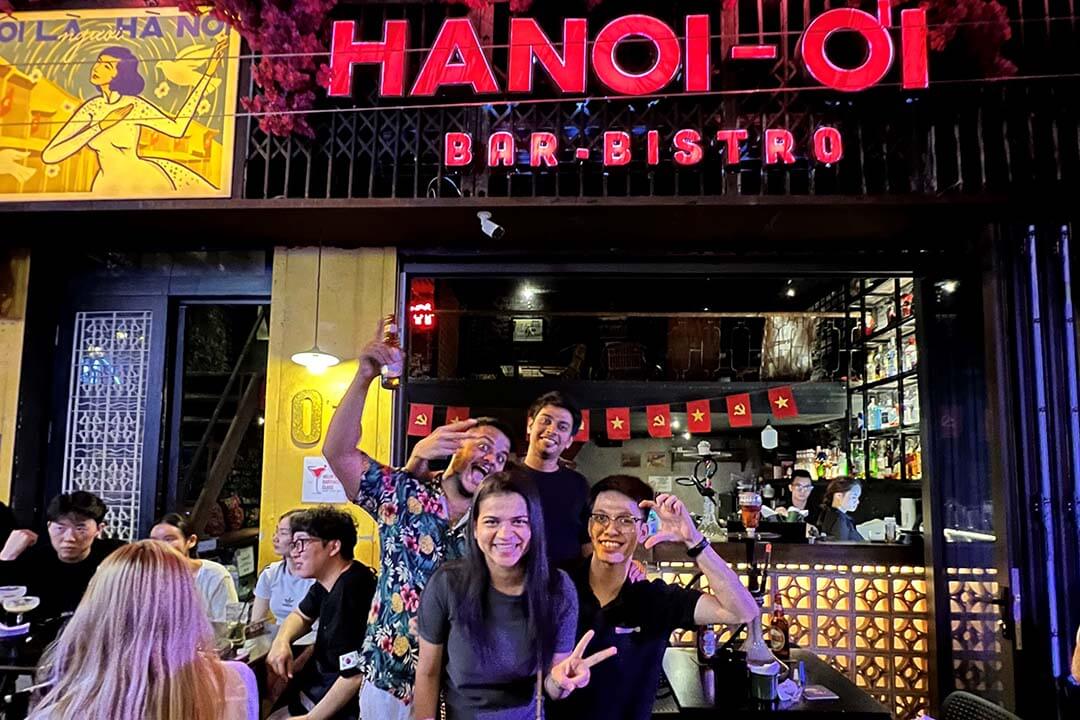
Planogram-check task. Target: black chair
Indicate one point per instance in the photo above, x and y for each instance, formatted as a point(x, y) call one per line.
point(962, 705)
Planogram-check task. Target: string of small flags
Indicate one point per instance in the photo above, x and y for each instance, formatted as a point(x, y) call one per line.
point(616, 420)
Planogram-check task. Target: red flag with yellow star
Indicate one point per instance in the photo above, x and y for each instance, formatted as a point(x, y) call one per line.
point(782, 403)
point(583, 431)
point(738, 410)
point(618, 423)
point(456, 414)
point(659, 420)
point(698, 416)
point(420, 419)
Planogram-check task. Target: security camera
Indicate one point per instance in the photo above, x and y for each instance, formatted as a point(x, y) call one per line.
point(491, 229)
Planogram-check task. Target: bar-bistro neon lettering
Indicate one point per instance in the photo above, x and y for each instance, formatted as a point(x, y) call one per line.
point(456, 57)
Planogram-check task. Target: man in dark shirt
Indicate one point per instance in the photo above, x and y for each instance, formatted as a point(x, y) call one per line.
point(329, 685)
point(59, 571)
point(564, 493)
point(638, 618)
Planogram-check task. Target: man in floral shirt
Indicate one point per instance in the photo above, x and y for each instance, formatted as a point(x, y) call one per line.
point(421, 523)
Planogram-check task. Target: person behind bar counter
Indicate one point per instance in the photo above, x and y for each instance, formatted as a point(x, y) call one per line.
point(637, 618)
point(841, 497)
point(139, 647)
point(501, 619)
point(58, 571)
point(801, 486)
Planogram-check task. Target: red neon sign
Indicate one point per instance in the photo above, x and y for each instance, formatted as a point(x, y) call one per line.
point(422, 315)
point(687, 148)
point(456, 58)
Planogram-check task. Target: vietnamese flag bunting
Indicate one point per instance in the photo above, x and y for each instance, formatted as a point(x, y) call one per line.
point(738, 410)
point(698, 416)
point(782, 402)
point(618, 423)
point(456, 414)
point(420, 419)
point(583, 431)
point(659, 420)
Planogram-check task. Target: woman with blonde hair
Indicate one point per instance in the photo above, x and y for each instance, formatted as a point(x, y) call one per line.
point(139, 646)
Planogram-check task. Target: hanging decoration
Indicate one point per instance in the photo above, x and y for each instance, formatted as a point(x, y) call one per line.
point(659, 420)
point(657, 417)
point(618, 423)
point(583, 431)
point(420, 419)
point(738, 410)
point(782, 403)
point(698, 416)
point(456, 414)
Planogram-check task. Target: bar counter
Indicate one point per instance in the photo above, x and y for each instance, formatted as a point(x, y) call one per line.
point(860, 607)
point(698, 696)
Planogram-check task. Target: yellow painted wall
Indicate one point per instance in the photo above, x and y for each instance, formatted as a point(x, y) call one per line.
point(12, 325)
point(358, 288)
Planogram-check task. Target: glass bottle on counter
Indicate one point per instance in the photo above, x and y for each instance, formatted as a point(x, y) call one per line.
point(779, 630)
point(391, 375)
point(706, 644)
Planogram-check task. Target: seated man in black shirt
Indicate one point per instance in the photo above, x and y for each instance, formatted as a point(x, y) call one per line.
point(638, 618)
point(323, 539)
point(564, 493)
point(59, 571)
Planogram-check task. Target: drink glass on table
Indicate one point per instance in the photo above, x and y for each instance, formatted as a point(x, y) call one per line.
point(750, 508)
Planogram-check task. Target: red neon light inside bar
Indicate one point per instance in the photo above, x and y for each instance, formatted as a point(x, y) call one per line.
point(457, 58)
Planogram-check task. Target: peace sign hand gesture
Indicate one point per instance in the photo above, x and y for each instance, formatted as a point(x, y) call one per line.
point(573, 673)
point(676, 525)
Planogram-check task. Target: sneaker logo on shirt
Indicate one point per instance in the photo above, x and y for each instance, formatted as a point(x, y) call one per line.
point(348, 660)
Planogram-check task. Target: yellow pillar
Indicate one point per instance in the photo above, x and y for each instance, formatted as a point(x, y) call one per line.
point(14, 279)
point(358, 287)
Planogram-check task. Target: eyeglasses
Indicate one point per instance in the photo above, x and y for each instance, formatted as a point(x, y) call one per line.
point(802, 487)
point(623, 523)
point(300, 544)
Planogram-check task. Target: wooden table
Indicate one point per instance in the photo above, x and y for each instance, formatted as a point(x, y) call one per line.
point(690, 684)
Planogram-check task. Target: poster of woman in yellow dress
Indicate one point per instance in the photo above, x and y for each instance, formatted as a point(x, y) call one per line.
point(117, 104)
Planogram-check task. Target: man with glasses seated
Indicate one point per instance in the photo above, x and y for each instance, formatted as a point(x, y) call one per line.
point(638, 618)
point(322, 545)
point(59, 571)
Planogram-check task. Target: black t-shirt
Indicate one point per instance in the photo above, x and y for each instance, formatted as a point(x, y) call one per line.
point(60, 585)
point(838, 525)
point(639, 622)
point(564, 499)
point(342, 614)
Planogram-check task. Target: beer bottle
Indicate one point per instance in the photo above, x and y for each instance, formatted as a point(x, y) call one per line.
point(779, 631)
point(391, 376)
point(706, 644)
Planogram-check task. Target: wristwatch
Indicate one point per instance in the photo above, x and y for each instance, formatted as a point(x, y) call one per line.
point(699, 548)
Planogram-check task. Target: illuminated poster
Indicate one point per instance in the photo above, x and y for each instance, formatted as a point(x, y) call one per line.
point(116, 104)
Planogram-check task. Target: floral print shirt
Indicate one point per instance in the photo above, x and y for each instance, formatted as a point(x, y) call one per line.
point(414, 538)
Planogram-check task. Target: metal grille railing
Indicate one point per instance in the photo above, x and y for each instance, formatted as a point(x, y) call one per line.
point(959, 136)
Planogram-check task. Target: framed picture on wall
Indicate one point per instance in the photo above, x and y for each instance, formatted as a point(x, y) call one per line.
point(660, 460)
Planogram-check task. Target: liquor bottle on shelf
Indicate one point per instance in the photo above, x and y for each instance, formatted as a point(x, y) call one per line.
point(779, 630)
point(391, 375)
point(911, 354)
point(890, 361)
point(907, 304)
point(871, 366)
point(858, 467)
point(873, 417)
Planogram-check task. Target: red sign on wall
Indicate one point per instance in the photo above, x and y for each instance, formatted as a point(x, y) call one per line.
point(456, 57)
